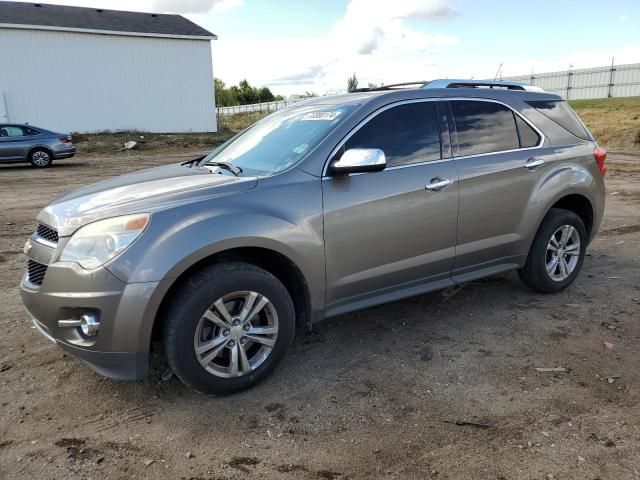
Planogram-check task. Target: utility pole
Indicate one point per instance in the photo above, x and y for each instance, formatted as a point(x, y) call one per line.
point(610, 89)
point(532, 76)
point(569, 81)
point(498, 71)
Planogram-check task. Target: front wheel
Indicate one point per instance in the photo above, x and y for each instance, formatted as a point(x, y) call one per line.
point(228, 327)
point(557, 252)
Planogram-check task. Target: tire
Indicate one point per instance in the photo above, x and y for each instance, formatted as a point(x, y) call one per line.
point(41, 158)
point(193, 322)
point(544, 270)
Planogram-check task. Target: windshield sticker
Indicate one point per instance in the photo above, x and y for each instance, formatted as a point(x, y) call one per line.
point(321, 115)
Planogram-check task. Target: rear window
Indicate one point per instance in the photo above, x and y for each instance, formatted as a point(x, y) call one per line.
point(561, 113)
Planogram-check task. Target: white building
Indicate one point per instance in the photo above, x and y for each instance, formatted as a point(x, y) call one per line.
point(78, 69)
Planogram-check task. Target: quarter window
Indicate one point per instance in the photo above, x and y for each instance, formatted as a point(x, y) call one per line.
point(528, 136)
point(484, 127)
point(406, 134)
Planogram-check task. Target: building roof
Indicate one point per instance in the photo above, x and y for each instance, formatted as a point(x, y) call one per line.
point(60, 17)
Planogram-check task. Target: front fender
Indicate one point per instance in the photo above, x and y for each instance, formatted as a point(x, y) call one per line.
point(179, 237)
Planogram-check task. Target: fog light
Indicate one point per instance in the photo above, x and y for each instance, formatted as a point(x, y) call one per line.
point(89, 324)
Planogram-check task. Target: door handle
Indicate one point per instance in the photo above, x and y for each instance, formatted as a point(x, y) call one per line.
point(438, 184)
point(533, 162)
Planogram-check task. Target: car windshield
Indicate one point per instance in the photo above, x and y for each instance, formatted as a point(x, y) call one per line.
point(280, 140)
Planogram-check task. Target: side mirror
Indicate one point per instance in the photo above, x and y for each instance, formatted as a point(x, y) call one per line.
point(357, 160)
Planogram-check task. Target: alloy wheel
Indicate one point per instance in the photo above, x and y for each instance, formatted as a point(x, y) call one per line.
point(563, 253)
point(236, 334)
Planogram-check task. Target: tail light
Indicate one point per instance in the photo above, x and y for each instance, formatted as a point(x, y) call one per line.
point(600, 154)
point(66, 139)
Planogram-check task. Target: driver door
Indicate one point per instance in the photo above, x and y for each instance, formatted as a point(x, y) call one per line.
point(391, 234)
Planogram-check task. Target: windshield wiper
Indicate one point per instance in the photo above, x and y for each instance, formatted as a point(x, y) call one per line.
point(192, 162)
point(237, 171)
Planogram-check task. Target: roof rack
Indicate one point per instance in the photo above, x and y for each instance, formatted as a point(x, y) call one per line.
point(452, 83)
point(392, 86)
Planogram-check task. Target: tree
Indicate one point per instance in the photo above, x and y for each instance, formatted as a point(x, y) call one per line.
point(265, 95)
point(241, 94)
point(223, 95)
point(352, 83)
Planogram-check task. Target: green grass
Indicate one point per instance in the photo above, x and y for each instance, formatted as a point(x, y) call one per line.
point(614, 122)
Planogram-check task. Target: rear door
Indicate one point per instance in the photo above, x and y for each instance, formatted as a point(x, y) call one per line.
point(500, 158)
point(13, 139)
point(385, 232)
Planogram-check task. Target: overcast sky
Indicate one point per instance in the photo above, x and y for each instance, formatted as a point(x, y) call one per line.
point(298, 45)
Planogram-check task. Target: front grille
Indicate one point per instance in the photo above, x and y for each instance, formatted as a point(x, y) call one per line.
point(48, 233)
point(35, 272)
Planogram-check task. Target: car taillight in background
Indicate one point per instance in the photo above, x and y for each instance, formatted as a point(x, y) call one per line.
point(66, 139)
point(600, 154)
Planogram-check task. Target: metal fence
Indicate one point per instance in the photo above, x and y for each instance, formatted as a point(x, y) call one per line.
point(598, 82)
point(256, 107)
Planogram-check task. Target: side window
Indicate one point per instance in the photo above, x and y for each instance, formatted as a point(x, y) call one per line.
point(406, 134)
point(11, 131)
point(528, 136)
point(484, 127)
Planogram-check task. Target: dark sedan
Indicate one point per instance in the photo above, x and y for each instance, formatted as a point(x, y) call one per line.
point(26, 143)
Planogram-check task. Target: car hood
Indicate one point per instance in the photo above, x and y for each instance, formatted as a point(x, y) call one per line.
point(145, 191)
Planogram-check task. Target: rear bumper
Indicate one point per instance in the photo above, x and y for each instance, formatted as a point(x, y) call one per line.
point(66, 152)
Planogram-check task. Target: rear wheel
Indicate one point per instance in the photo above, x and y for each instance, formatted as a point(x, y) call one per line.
point(557, 252)
point(40, 158)
point(228, 328)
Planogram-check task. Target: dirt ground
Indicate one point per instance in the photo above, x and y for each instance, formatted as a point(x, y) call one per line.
point(374, 394)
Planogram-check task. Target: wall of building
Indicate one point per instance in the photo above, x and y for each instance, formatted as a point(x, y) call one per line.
point(79, 82)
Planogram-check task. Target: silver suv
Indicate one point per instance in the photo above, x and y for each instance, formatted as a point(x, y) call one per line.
point(329, 206)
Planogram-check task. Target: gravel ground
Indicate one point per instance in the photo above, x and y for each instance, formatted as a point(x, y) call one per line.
point(382, 393)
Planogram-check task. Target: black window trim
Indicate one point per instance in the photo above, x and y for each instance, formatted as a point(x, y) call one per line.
point(363, 122)
point(454, 133)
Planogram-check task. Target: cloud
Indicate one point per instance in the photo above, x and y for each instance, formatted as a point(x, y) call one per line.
point(306, 77)
point(195, 6)
point(371, 24)
point(623, 18)
point(381, 41)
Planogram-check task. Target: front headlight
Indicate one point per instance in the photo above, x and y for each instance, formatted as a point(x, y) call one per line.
point(97, 243)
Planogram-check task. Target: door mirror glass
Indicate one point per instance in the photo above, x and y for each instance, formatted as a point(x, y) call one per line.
point(357, 160)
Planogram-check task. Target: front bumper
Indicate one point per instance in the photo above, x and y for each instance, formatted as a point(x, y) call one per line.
point(126, 313)
point(118, 365)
